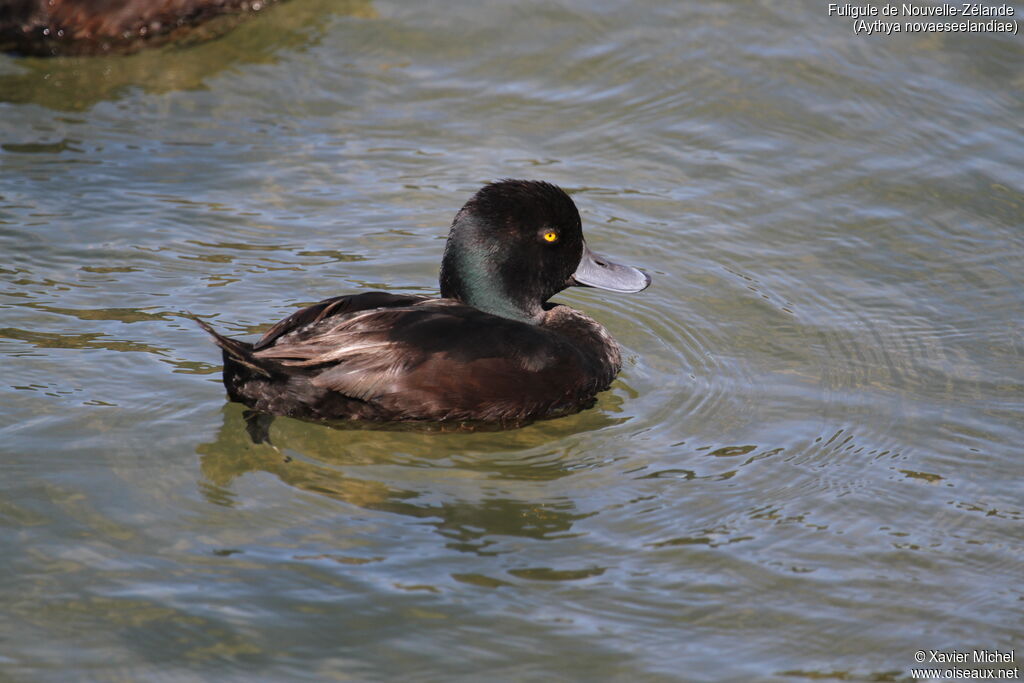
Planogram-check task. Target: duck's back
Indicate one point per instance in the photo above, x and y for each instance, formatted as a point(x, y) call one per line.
point(379, 356)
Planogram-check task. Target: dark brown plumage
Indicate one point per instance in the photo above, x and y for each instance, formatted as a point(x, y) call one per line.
point(84, 27)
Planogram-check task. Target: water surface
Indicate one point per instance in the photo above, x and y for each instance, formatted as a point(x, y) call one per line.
point(809, 468)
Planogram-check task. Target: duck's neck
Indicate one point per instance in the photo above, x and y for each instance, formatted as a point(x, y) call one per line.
point(471, 274)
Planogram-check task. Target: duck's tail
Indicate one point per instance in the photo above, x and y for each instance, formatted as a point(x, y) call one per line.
point(238, 351)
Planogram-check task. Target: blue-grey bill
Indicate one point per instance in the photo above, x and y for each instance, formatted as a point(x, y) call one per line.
point(595, 270)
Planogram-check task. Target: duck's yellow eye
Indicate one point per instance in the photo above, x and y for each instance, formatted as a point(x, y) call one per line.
point(550, 236)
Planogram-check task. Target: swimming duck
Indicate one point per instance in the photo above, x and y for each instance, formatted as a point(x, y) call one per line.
point(492, 349)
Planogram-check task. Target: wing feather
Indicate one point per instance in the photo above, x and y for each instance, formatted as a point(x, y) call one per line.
point(337, 306)
point(433, 358)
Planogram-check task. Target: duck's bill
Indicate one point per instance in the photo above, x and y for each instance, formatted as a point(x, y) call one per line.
point(595, 270)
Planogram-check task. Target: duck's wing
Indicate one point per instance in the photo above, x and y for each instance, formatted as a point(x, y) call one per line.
point(335, 306)
point(436, 359)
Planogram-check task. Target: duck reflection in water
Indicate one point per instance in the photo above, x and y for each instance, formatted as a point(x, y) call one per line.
point(323, 459)
point(491, 351)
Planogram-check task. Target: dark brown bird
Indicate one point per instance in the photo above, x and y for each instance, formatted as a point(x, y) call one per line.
point(84, 27)
point(490, 350)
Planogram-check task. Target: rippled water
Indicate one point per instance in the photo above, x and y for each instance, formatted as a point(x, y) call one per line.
point(809, 469)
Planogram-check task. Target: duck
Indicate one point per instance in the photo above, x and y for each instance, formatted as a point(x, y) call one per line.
point(89, 27)
point(492, 350)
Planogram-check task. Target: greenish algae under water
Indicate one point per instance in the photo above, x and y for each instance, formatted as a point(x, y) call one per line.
point(809, 469)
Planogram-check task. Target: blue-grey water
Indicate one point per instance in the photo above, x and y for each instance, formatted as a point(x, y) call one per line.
point(810, 468)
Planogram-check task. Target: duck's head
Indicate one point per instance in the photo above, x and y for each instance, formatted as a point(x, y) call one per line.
point(516, 244)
